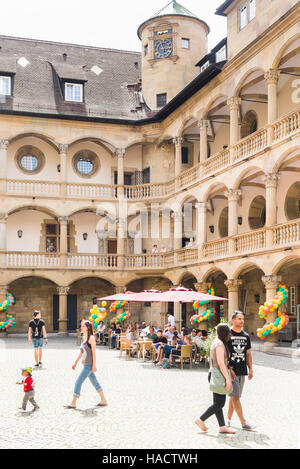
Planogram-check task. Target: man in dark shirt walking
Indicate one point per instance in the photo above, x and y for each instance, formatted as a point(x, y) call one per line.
point(37, 335)
point(240, 362)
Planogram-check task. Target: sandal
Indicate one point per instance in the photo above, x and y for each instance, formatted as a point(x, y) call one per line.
point(69, 407)
point(101, 405)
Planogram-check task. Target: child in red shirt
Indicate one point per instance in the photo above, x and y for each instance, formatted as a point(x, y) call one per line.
point(28, 385)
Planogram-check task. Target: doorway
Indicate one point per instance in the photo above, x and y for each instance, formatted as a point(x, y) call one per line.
point(71, 313)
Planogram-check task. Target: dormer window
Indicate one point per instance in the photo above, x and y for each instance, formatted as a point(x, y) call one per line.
point(5, 86)
point(221, 54)
point(74, 92)
point(204, 66)
point(247, 13)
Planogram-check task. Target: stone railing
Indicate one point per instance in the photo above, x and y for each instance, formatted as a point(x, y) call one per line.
point(250, 242)
point(148, 191)
point(216, 163)
point(286, 126)
point(33, 259)
point(251, 145)
point(287, 233)
point(92, 261)
point(145, 261)
point(32, 188)
point(216, 249)
point(189, 176)
point(91, 191)
point(187, 255)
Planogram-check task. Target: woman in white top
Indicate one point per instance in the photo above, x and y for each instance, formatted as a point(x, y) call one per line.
point(219, 356)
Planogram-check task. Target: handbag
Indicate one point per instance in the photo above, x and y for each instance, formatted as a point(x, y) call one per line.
point(217, 381)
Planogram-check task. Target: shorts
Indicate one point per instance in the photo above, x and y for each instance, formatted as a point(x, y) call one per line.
point(238, 386)
point(38, 342)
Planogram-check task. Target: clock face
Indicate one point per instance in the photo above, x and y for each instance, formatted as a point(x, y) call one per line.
point(163, 48)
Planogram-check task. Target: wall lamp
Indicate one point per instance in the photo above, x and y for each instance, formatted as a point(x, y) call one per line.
point(85, 235)
point(20, 233)
point(212, 228)
point(257, 298)
point(240, 220)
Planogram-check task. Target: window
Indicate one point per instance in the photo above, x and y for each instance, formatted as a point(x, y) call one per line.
point(184, 155)
point(85, 163)
point(185, 43)
point(146, 50)
point(51, 237)
point(5, 86)
point(252, 9)
point(29, 163)
point(204, 66)
point(243, 17)
point(74, 92)
point(292, 300)
point(221, 54)
point(161, 99)
point(85, 166)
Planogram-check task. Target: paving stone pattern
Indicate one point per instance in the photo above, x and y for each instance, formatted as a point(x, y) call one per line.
point(148, 408)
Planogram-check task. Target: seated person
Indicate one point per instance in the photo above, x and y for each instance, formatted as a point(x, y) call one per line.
point(193, 334)
point(130, 325)
point(151, 335)
point(115, 331)
point(185, 337)
point(131, 334)
point(100, 332)
point(198, 339)
point(175, 346)
point(145, 330)
point(204, 335)
point(159, 344)
point(169, 332)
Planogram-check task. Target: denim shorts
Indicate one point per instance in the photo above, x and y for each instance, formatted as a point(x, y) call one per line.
point(38, 342)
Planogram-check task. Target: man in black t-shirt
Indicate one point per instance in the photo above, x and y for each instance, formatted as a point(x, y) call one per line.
point(37, 335)
point(240, 362)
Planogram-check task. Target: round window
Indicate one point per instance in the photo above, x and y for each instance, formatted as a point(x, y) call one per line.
point(85, 163)
point(29, 163)
point(85, 166)
point(30, 159)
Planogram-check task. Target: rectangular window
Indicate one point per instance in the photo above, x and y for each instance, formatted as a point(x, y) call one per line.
point(146, 50)
point(5, 86)
point(184, 155)
point(292, 300)
point(74, 92)
point(243, 17)
point(252, 9)
point(221, 54)
point(204, 66)
point(185, 43)
point(161, 99)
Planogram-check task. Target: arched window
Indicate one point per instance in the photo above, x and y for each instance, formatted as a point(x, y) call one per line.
point(257, 213)
point(249, 124)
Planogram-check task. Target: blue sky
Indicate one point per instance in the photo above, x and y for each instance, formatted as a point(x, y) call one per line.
point(103, 23)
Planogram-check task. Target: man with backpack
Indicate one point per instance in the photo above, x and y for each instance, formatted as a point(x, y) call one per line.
point(37, 335)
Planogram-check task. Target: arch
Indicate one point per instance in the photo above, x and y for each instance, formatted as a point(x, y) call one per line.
point(146, 277)
point(243, 173)
point(185, 120)
point(84, 276)
point(281, 159)
point(90, 209)
point(37, 208)
point(46, 138)
point(185, 274)
point(21, 275)
point(211, 271)
point(206, 197)
point(286, 259)
point(246, 266)
point(286, 45)
point(211, 102)
point(138, 141)
point(98, 141)
point(244, 79)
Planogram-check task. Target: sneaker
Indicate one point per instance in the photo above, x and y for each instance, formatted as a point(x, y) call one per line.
point(40, 364)
point(36, 408)
point(36, 365)
point(248, 426)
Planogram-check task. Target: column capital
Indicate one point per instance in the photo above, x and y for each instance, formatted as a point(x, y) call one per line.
point(177, 216)
point(271, 281)
point(201, 206)
point(203, 124)
point(233, 195)
point(63, 220)
point(63, 148)
point(271, 180)
point(120, 152)
point(63, 291)
point(120, 289)
point(3, 289)
point(272, 76)
point(4, 144)
point(234, 103)
point(178, 141)
point(3, 217)
point(202, 287)
point(233, 284)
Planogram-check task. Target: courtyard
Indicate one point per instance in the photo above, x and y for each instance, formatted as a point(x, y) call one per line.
point(148, 407)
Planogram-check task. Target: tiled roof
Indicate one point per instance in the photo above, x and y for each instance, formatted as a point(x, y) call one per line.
point(37, 86)
point(221, 9)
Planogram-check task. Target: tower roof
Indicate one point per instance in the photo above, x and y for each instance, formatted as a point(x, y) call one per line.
point(173, 8)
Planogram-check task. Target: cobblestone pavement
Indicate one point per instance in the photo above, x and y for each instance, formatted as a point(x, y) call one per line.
point(148, 407)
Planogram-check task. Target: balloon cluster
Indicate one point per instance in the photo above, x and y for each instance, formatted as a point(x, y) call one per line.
point(121, 317)
point(205, 315)
point(117, 305)
point(269, 307)
point(9, 321)
point(98, 314)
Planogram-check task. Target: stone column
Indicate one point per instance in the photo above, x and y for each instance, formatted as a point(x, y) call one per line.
point(121, 228)
point(120, 153)
point(234, 107)
point(3, 239)
point(271, 283)
point(202, 287)
point(233, 196)
point(63, 240)
point(203, 127)
point(233, 296)
point(3, 165)
point(3, 292)
point(178, 158)
point(63, 150)
point(120, 289)
point(63, 310)
point(201, 227)
point(272, 77)
point(271, 182)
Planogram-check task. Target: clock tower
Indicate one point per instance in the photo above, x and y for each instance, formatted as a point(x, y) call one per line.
point(173, 41)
